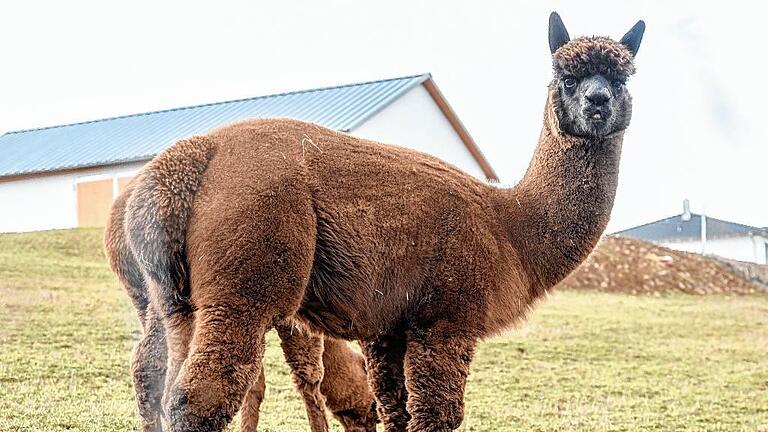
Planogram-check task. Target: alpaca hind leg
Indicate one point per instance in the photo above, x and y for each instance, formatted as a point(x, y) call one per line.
point(148, 369)
point(225, 359)
point(384, 358)
point(249, 412)
point(250, 260)
point(304, 354)
point(178, 334)
point(436, 369)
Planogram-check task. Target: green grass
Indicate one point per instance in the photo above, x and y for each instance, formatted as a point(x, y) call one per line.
point(584, 361)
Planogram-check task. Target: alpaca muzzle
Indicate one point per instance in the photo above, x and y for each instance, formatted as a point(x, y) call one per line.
point(596, 114)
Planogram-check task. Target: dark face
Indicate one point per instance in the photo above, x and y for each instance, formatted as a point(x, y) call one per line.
point(592, 106)
point(590, 76)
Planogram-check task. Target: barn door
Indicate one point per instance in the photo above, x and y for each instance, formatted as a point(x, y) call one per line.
point(122, 183)
point(93, 201)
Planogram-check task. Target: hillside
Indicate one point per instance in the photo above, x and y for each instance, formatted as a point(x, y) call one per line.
point(621, 264)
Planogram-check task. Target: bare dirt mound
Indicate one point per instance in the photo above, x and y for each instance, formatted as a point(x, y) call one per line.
point(621, 264)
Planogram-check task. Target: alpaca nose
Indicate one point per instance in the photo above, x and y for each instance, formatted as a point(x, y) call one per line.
point(598, 96)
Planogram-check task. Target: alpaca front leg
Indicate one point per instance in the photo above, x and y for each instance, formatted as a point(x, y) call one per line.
point(304, 354)
point(249, 412)
point(436, 370)
point(148, 369)
point(384, 359)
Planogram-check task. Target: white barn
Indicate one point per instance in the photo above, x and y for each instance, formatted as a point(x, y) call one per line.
point(691, 232)
point(67, 176)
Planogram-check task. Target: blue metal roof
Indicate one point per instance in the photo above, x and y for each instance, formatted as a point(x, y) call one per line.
point(677, 228)
point(142, 136)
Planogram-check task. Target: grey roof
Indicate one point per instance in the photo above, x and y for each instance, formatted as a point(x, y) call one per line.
point(676, 229)
point(142, 136)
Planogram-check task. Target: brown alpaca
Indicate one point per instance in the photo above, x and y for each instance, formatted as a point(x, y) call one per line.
point(338, 381)
point(272, 221)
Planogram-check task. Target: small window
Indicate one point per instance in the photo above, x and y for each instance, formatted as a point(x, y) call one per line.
point(765, 259)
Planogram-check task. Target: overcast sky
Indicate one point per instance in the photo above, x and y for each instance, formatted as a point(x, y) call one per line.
point(699, 126)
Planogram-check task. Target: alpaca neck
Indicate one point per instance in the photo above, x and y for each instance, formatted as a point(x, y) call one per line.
point(558, 211)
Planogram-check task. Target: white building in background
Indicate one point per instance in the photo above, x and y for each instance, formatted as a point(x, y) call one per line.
point(67, 176)
point(697, 233)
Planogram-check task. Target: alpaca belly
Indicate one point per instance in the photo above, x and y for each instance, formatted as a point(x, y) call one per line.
point(333, 310)
point(327, 319)
point(323, 319)
point(338, 300)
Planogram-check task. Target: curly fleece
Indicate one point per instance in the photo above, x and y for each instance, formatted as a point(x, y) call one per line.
point(594, 55)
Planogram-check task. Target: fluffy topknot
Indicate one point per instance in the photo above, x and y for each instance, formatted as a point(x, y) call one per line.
point(594, 55)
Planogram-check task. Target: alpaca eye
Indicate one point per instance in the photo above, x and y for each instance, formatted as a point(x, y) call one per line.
point(569, 82)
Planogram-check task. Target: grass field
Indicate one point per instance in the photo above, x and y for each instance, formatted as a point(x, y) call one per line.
point(584, 361)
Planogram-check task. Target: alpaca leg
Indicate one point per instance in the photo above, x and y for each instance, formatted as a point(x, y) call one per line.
point(148, 369)
point(304, 354)
point(225, 359)
point(384, 358)
point(178, 334)
point(436, 369)
point(250, 257)
point(249, 412)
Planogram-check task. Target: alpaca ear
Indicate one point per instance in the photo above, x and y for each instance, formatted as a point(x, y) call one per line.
point(558, 35)
point(633, 37)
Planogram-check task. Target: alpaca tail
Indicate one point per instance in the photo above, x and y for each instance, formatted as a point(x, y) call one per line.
point(156, 218)
point(121, 260)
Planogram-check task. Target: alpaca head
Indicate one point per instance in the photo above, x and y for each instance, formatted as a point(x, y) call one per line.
point(359, 420)
point(589, 94)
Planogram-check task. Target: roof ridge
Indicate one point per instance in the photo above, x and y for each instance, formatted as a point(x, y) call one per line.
point(757, 229)
point(650, 223)
point(271, 95)
point(751, 227)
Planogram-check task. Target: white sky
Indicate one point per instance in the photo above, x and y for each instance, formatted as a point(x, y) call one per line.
point(699, 120)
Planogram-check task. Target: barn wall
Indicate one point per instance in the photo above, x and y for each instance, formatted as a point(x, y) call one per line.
point(415, 121)
point(751, 249)
point(43, 202)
